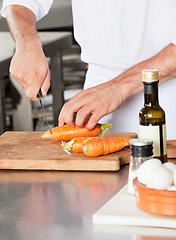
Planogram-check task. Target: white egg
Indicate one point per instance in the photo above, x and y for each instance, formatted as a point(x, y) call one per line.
point(172, 188)
point(161, 178)
point(174, 173)
point(146, 169)
point(171, 166)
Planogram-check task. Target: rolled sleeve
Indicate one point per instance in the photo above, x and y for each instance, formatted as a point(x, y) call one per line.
point(39, 7)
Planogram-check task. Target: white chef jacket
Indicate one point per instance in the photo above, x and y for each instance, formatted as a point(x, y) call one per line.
point(114, 35)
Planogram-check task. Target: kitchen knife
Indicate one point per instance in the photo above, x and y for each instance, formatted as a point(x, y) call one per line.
point(44, 112)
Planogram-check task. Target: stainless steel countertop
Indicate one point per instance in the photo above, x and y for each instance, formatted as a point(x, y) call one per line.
point(52, 205)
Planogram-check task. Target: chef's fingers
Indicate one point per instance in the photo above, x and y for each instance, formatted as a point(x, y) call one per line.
point(80, 100)
point(66, 116)
point(93, 120)
point(33, 86)
point(67, 112)
point(83, 115)
point(46, 84)
point(36, 83)
point(87, 118)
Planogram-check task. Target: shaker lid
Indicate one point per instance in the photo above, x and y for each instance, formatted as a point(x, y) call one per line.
point(141, 148)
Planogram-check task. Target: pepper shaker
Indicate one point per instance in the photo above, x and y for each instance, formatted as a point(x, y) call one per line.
point(140, 151)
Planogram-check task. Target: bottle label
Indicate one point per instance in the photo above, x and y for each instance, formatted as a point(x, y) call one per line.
point(157, 134)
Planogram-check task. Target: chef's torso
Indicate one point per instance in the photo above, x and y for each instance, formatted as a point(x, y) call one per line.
point(114, 35)
point(120, 33)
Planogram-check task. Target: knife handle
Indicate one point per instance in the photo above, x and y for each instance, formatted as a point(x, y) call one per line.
point(39, 94)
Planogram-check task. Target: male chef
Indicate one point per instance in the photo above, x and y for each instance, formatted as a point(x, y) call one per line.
point(118, 39)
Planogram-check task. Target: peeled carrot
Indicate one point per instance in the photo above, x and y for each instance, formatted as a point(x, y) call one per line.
point(75, 145)
point(68, 133)
point(125, 139)
point(94, 147)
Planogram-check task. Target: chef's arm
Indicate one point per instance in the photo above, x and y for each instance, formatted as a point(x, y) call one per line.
point(22, 23)
point(94, 103)
point(29, 66)
point(164, 62)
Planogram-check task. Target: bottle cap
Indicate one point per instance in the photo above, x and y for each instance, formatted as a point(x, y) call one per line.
point(150, 75)
point(141, 148)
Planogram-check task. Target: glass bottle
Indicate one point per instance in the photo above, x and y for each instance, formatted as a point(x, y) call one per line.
point(152, 117)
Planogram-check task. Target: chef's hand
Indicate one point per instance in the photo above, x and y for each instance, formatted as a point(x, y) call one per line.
point(92, 104)
point(29, 67)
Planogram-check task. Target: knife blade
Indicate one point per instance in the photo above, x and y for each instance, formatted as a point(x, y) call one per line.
point(43, 109)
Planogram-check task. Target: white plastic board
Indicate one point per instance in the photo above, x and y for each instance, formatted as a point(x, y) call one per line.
point(122, 210)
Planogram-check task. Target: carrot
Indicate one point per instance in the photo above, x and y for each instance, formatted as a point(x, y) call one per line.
point(68, 133)
point(75, 145)
point(125, 139)
point(94, 147)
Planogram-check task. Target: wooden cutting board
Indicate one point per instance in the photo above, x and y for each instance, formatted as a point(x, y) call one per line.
point(171, 149)
point(28, 151)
